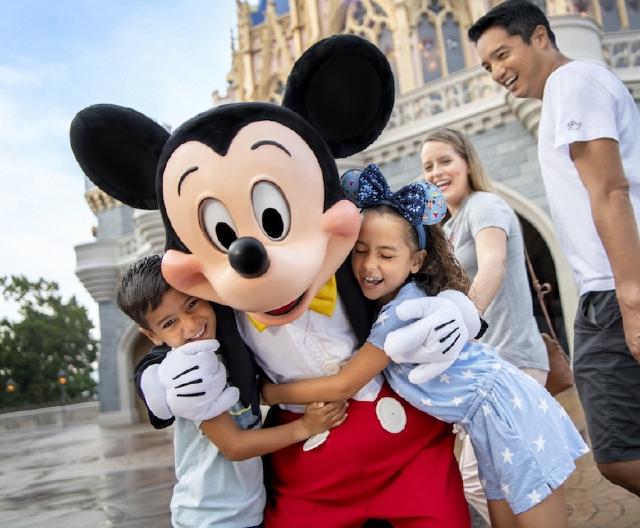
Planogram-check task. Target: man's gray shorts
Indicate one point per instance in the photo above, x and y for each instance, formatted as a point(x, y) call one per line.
point(608, 379)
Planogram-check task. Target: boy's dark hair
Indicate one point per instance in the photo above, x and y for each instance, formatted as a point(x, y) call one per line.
point(517, 17)
point(141, 289)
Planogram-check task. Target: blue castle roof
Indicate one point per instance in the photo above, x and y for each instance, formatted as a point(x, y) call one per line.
point(257, 16)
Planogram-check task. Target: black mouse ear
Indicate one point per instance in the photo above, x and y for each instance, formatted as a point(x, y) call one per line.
point(343, 86)
point(118, 149)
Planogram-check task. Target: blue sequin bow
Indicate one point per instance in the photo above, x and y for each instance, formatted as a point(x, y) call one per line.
point(420, 203)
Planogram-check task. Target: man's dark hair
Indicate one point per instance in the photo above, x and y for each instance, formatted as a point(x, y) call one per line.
point(141, 289)
point(517, 17)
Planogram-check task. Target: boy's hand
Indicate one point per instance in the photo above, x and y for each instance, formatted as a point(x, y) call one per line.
point(195, 381)
point(319, 417)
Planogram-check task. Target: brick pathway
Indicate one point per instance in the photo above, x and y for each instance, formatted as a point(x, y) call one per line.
point(83, 476)
point(594, 502)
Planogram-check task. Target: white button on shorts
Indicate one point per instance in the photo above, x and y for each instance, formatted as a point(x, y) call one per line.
point(391, 415)
point(315, 440)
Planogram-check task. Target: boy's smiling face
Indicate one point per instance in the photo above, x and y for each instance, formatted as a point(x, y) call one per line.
point(180, 318)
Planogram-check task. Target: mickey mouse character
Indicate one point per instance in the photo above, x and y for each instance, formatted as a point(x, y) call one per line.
point(256, 221)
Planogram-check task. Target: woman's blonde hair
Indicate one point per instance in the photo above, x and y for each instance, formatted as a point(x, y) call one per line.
point(478, 179)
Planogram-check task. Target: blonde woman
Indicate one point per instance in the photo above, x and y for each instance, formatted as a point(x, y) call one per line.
point(487, 241)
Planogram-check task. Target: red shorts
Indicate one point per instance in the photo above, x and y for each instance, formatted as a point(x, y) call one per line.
point(363, 471)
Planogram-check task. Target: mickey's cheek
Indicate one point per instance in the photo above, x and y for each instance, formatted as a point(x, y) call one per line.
point(185, 272)
point(343, 219)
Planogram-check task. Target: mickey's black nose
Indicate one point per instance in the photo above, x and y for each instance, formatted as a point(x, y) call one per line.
point(248, 257)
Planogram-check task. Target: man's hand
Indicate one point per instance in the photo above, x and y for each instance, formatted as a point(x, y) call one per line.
point(600, 168)
point(319, 417)
point(195, 380)
point(631, 326)
point(434, 341)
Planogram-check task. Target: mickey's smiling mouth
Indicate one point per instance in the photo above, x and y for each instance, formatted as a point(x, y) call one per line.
point(283, 310)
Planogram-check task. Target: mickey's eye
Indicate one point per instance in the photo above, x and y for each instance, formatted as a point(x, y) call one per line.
point(271, 210)
point(217, 224)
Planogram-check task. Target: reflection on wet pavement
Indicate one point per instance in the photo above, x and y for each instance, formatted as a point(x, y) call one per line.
point(82, 476)
point(85, 476)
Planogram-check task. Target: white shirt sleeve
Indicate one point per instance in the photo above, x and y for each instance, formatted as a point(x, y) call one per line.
point(489, 210)
point(584, 106)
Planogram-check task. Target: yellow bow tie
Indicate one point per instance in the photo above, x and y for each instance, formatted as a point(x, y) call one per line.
point(324, 302)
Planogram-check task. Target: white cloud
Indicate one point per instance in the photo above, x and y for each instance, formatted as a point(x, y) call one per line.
point(10, 76)
point(164, 59)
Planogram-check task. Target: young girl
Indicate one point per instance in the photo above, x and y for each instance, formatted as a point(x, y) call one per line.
point(524, 441)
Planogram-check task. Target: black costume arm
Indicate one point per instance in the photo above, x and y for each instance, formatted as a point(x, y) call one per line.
point(483, 328)
point(156, 355)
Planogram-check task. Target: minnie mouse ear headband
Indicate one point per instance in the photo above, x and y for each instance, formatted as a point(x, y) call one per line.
point(419, 203)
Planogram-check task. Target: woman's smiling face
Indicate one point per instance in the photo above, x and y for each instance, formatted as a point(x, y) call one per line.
point(444, 167)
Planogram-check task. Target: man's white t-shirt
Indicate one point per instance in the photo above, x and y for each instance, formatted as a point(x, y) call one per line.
point(582, 102)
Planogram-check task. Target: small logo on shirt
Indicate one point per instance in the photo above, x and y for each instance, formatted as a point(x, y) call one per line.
point(574, 125)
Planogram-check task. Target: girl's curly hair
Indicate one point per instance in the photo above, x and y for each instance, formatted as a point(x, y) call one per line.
point(440, 270)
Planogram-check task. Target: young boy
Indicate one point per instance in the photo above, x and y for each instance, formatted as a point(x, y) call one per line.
point(218, 465)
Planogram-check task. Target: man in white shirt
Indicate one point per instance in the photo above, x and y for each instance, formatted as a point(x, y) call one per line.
point(589, 153)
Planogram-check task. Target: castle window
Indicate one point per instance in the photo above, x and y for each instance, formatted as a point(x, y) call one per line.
point(439, 39)
point(368, 19)
point(610, 15)
point(633, 13)
point(429, 50)
point(452, 44)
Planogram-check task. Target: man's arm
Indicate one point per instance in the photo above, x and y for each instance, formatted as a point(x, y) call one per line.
point(240, 444)
point(365, 365)
point(600, 168)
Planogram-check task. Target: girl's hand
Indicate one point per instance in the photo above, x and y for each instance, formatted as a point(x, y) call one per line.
point(320, 417)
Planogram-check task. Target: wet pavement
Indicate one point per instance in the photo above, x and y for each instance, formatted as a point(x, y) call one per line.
point(84, 476)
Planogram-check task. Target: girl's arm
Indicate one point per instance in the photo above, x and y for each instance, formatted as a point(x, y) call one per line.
point(365, 365)
point(240, 444)
point(491, 250)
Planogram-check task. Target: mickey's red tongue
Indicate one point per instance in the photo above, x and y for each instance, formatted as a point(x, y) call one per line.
point(286, 308)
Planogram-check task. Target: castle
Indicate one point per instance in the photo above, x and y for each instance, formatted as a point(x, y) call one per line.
point(438, 83)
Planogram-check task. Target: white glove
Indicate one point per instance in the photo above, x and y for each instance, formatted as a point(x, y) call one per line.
point(195, 381)
point(468, 310)
point(434, 341)
point(155, 395)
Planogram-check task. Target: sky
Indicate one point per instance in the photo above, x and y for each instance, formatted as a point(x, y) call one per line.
point(161, 57)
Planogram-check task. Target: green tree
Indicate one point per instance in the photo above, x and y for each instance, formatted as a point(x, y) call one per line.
point(49, 335)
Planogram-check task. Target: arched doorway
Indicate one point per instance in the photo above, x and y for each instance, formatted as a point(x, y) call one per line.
point(131, 349)
point(141, 347)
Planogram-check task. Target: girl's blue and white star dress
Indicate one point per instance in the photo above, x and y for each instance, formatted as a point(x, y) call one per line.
point(524, 441)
